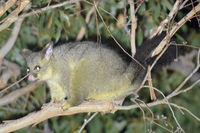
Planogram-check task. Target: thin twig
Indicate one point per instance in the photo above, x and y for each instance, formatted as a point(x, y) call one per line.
point(186, 110)
point(173, 114)
point(11, 70)
point(115, 39)
point(143, 113)
point(183, 91)
point(86, 121)
point(35, 12)
point(102, 9)
point(175, 28)
point(14, 15)
point(152, 115)
point(188, 77)
point(87, 19)
point(183, 4)
point(18, 93)
point(167, 19)
point(154, 122)
point(13, 84)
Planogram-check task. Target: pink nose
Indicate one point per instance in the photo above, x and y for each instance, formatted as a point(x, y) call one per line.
point(31, 78)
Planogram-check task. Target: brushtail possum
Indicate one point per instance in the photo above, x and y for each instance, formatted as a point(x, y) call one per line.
point(82, 71)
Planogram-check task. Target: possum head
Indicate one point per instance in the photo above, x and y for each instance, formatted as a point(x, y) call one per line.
point(39, 63)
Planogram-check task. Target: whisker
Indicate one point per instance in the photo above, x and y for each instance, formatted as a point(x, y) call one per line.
point(5, 89)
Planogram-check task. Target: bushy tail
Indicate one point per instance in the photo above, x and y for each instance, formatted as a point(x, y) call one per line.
point(144, 52)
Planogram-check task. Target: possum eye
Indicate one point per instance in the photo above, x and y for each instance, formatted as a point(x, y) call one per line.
point(37, 68)
point(28, 70)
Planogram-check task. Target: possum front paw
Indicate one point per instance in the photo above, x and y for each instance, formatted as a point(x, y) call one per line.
point(65, 105)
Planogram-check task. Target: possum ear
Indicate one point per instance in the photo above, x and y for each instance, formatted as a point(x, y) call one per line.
point(47, 52)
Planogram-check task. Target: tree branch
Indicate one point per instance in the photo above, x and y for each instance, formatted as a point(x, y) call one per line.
point(5, 6)
point(11, 41)
point(133, 27)
point(87, 19)
point(86, 121)
point(52, 110)
point(17, 93)
point(13, 16)
point(11, 70)
point(175, 28)
point(168, 19)
point(48, 8)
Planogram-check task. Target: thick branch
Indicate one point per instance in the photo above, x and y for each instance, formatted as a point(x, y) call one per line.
point(52, 110)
